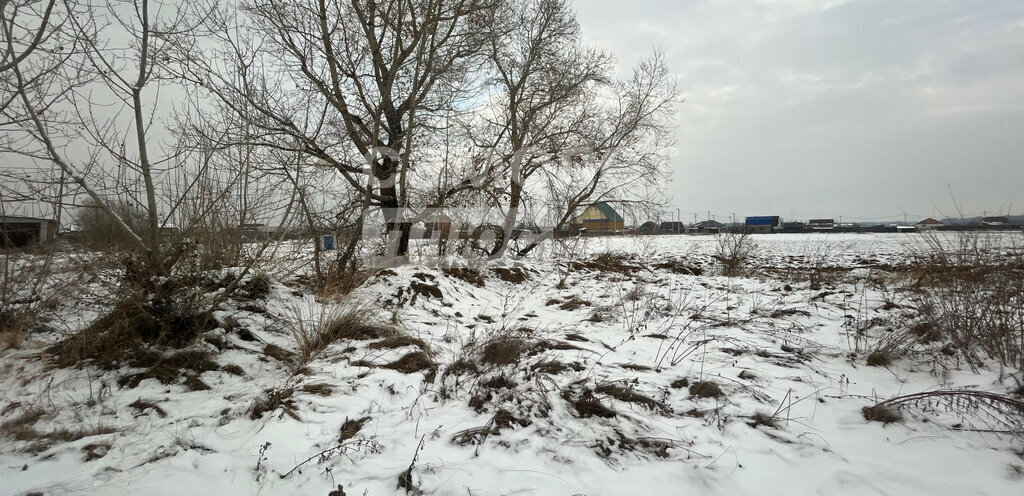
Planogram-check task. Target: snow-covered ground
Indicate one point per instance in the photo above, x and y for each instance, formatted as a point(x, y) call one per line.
point(554, 375)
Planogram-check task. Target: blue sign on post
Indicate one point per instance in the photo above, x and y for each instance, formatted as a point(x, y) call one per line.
point(327, 242)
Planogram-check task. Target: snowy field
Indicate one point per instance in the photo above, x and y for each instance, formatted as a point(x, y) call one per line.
point(556, 375)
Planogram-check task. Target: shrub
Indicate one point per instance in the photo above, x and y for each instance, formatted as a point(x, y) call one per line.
point(734, 251)
point(993, 411)
point(171, 313)
point(970, 291)
point(314, 330)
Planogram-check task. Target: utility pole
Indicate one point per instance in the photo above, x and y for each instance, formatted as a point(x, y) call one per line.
point(678, 220)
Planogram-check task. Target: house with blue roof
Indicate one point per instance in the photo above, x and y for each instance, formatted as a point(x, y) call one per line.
point(763, 224)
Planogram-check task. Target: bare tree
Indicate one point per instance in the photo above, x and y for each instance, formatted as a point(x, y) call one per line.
point(562, 119)
point(92, 104)
point(369, 75)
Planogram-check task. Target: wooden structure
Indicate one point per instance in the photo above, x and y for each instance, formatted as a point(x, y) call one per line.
point(598, 217)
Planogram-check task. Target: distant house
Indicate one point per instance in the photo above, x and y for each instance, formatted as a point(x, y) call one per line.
point(821, 224)
point(599, 217)
point(794, 227)
point(995, 221)
point(17, 232)
point(648, 227)
point(438, 225)
point(672, 227)
point(928, 224)
point(706, 227)
point(762, 224)
point(260, 232)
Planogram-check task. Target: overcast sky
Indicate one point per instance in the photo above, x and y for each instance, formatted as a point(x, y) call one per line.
point(810, 108)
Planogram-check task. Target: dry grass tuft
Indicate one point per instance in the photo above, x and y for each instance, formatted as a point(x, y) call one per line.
point(313, 333)
point(426, 290)
point(608, 447)
point(468, 274)
point(141, 406)
point(15, 325)
point(498, 382)
point(706, 389)
point(319, 389)
point(417, 361)
point(95, 451)
point(504, 350)
point(547, 345)
point(271, 400)
point(609, 262)
point(22, 428)
point(628, 395)
point(350, 428)
point(679, 267)
point(635, 367)
point(513, 275)
point(14, 427)
point(460, 367)
point(574, 303)
point(555, 367)
point(761, 419)
point(194, 383)
point(167, 368)
point(997, 412)
point(881, 413)
point(588, 406)
point(879, 359)
point(399, 342)
point(278, 353)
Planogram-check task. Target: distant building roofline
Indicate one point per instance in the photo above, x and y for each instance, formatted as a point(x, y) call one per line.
point(17, 218)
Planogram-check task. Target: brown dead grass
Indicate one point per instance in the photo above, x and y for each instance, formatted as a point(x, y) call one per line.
point(350, 428)
point(574, 303)
point(271, 400)
point(142, 406)
point(167, 315)
point(586, 405)
point(609, 262)
point(881, 413)
point(319, 389)
point(23, 428)
point(506, 350)
point(168, 368)
point(400, 341)
point(513, 275)
point(335, 324)
point(460, 367)
point(623, 393)
point(556, 367)
point(706, 389)
point(468, 274)
point(416, 361)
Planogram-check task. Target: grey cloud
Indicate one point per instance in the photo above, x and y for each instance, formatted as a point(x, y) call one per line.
point(862, 108)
